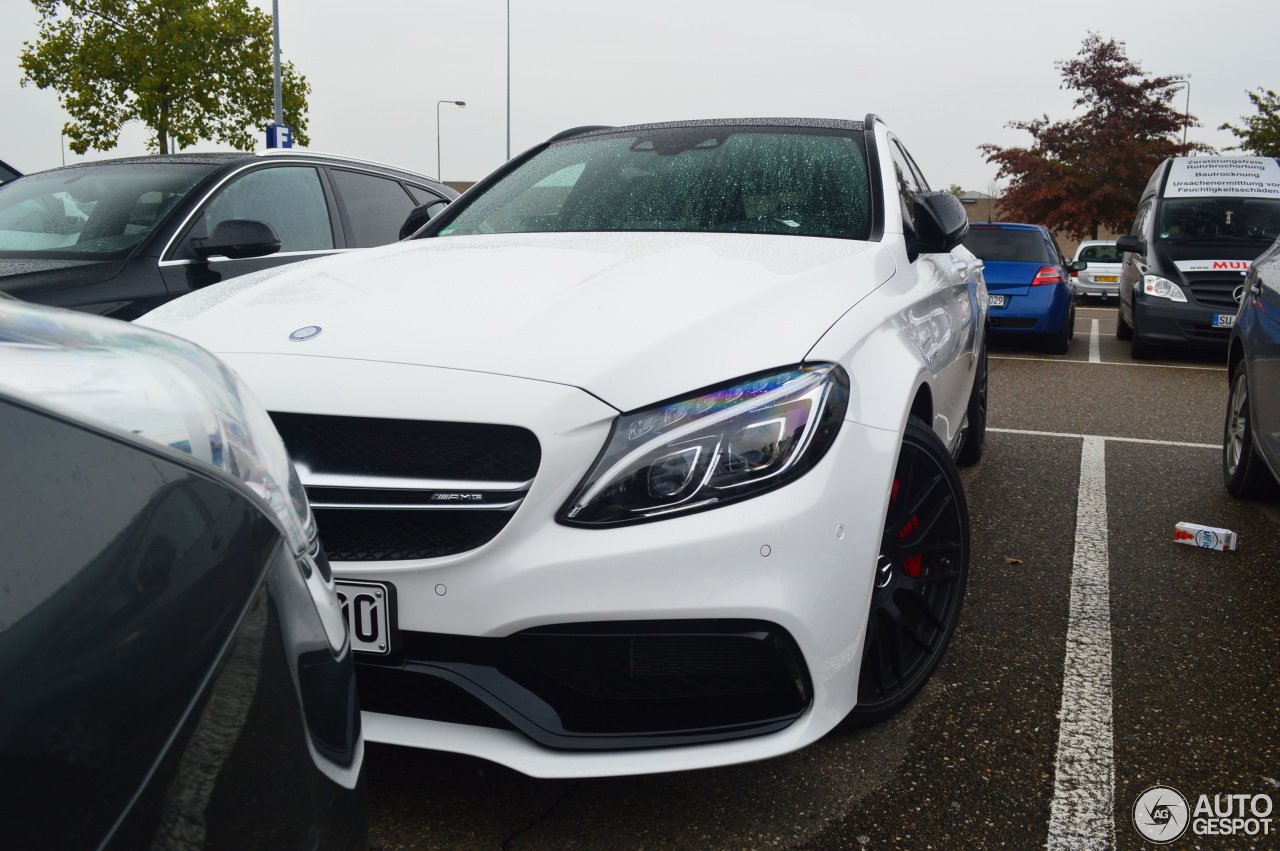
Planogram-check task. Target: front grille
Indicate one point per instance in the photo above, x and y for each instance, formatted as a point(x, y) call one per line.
point(653, 666)
point(396, 490)
point(1217, 293)
point(603, 686)
point(364, 535)
point(410, 448)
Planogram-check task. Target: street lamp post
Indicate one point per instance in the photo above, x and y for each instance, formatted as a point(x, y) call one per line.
point(278, 100)
point(508, 79)
point(458, 103)
point(1186, 113)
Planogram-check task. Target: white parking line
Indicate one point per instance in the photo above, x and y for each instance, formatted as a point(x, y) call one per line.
point(1104, 438)
point(1095, 352)
point(1081, 816)
point(1114, 363)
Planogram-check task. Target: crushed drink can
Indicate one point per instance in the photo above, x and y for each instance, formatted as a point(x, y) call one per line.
point(1207, 537)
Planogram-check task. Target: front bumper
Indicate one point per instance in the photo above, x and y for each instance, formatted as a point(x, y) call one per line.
point(1168, 323)
point(798, 562)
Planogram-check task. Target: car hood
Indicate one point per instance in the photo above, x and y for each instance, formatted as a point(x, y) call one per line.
point(631, 318)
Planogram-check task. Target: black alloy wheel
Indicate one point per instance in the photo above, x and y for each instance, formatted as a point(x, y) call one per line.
point(920, 577)
point(1244, 473)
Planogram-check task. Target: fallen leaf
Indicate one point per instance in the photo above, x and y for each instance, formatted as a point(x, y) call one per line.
point(1012, 560)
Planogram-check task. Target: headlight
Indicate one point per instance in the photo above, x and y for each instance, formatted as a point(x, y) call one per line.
point(735, 442)
point(159, 388)
point(1162, 288)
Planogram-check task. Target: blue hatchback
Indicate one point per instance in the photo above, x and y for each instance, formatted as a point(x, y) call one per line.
point(1028, 281)
point(1251, 433)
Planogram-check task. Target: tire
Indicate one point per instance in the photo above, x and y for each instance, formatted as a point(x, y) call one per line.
point(920, 578)
point(975, 436)
point(1244, 472)
point(1124, 331)
point(1138, 349)
point(1059, 341)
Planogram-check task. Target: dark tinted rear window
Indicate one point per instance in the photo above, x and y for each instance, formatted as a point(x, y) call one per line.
point(1026, 246)
point(1100, 254)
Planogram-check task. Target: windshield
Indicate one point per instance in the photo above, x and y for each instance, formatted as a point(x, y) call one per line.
point(1008, 244)
point(1214, 218)
point(799, 182)
point(90, 212)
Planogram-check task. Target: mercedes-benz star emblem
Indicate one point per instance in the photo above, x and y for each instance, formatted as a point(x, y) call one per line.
point(1239, 294)
point(305, 333)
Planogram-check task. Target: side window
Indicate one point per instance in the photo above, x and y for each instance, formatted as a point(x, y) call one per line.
point(289, 198)
point(908, 185)
point(1140, 222)
point(1058, 256)
point(421, 196)
point(376, 206)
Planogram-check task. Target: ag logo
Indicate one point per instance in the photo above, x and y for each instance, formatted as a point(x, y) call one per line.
point(1160, 814)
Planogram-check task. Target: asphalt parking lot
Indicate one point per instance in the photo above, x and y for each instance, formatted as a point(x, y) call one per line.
point(1161, 660)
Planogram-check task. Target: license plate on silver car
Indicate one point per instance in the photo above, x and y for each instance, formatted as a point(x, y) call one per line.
point(369, 609)
point(1224, 320)
point(996, 300)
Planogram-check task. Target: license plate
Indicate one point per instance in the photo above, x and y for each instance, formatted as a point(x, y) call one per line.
point(370, 611)
point(1106, 279)
point(996, 300)
point(1224, 320)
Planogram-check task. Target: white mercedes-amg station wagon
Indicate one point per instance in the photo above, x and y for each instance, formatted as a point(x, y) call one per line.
point(641, 455)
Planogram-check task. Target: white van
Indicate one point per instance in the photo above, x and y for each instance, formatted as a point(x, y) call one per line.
point(1200, 224)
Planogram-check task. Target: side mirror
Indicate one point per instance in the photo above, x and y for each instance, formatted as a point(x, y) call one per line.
point(1078, 265)
point(238, 238)
point(419, 216)
point(941, 223)
point(1130, 242)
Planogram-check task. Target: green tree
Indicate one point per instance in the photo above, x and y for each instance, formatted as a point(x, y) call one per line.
point(1089, 171)
point(1260, 135)
point(187, 69)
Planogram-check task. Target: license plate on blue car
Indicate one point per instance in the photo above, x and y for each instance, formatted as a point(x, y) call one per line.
point(996, 300)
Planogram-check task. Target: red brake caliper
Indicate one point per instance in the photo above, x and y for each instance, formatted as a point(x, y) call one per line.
point(911, 564)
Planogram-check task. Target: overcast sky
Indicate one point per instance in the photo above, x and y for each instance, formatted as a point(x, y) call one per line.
point(946, 76)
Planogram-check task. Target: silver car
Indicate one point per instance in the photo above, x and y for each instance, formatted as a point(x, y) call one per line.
point(1102, 277)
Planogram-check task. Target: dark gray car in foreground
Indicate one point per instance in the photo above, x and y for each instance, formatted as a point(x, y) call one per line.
point(176, 671)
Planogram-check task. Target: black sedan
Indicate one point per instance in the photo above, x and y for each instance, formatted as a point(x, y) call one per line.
point(176, 670)
point(120, 237)
point(1251, 432)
